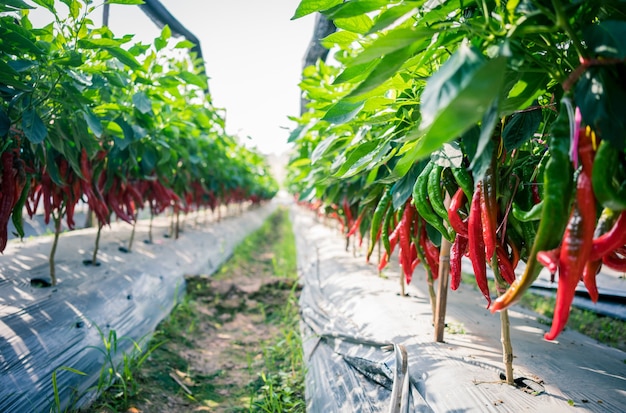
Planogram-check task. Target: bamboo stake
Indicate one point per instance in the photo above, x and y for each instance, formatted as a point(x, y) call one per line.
point(444, 278)
point(442, 289)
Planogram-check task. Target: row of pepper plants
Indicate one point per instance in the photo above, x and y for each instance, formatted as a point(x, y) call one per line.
point(493, 128)
point(88, 116)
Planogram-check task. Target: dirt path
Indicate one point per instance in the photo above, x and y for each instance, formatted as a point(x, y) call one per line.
point(226, 332)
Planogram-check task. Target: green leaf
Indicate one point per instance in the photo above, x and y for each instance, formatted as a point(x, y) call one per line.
point(193, 79)
point(12, 5)
point(520, 128)
point(490, 118)
point(388, 66)
point(341, 38)
point(127, 130)
point(606, 39)
point(456, 97)
point(358, 24)
point(600, 94)
point(184, 44)
point(393, 41)
point(357, 159)
point(402, 189)
point(34, 128)
point(98, 43)
point(343, 111)
point(324, 146)
point(5, 123)
point(159, 43)
point(75, 9)
point(355, 8)
point(125, 1)
point(390, 16)
point(166, 32)
point(142, 102)
point(124, 56)
point(525, 91)
point(93, 122)
point(311, 6)
point(355, 73)
point(48, 4)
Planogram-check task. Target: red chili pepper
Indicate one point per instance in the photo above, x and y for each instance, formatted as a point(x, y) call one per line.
point(575, 250)
point(589, 278)
point(384, 260)
point(457, 224)
point(8, 196)
point(431, 252)
point(489, 211)
point(615, 261)
point(405, 239)
point(476, 244)
point(504, 265)
point(456, 255)
point(550, 259)
point(609, 241)
point(356, 224)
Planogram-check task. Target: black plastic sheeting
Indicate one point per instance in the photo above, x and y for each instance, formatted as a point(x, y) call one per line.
point(47, 330)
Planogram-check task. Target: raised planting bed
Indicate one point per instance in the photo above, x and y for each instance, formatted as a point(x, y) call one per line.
point(354, 322)
point(55, 329)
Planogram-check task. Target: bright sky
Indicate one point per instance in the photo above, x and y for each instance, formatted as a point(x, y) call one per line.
point(253, 54)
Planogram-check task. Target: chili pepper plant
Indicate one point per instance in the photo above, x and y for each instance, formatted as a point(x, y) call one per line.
point(497, 126)
point(89, 117)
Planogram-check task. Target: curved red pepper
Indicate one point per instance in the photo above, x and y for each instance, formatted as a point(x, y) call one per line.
point(589, 278)
point(504, 265)
point(489, 211)
point(550, 259)
point(405, 239)
point(456, 202)
point(609, 241)
point(575, 251)
point(614, 261)
point(456, 255)
point(476, 244)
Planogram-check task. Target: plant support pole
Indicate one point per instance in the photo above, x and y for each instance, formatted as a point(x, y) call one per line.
point(442, 286)
point(442, 289)
point(505, 325)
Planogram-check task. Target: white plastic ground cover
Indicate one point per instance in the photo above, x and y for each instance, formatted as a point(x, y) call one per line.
point(350, 314)
point(43, 330)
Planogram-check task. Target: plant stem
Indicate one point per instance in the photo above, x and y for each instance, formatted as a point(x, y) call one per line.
point(505, 325)
point(57, 231)
point(94, 257)
point(150, 226)
point(132, 233)
point(563, 23)
point(177, 227)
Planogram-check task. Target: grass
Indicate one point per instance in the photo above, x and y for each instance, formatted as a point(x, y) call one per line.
point(607, 330)
point(272, 376)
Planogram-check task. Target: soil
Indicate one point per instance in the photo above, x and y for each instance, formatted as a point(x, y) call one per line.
point(214, 342)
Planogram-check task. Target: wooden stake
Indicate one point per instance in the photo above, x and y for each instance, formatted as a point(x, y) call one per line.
point(442, 289)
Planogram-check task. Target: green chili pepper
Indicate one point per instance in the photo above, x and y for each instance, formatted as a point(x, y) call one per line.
point(386, 227)
point(533, 214)
point(434, 193)
point(465, 181)
point(423, 205)
point(607, 186)
point(557, 190)
point(379, 213)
